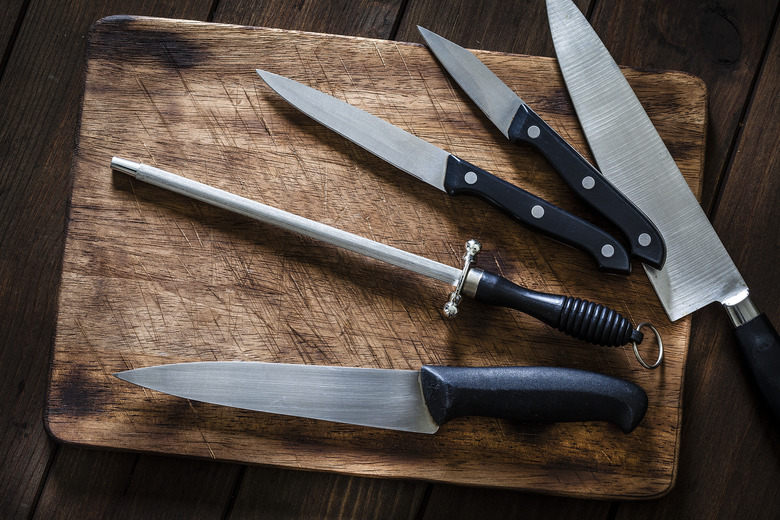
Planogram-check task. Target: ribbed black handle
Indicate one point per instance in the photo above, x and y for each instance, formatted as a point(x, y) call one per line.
point(532, 394)
point(596, 323)
point(462, 177)
point(590, 185)
point(591, 322)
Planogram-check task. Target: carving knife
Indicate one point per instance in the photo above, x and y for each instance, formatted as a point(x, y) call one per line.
point(581, 319)
point(631, 154)
point(449, 173)
point(519, 123)
point(406, 400)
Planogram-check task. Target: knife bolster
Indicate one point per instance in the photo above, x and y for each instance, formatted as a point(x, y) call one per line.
point(742, 311)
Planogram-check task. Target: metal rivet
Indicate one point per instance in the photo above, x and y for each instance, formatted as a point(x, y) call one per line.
point(588, 182)
point(608, 251)
point(537, 211)
point(470, 178)
point(533, 131)
point(644, 239)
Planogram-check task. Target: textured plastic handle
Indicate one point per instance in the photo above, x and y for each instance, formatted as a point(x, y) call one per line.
point(588, 183)
point(463, 177)
point(760, 344)
point(591, 322)
point(532, 394)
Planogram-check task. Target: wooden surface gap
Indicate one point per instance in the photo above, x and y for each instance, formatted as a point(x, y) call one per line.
point(751, 98)
point(14, 33)
point(399, 17)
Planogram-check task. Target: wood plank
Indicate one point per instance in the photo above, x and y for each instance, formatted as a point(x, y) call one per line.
point(275, 493)
point(98, 484)
point(366, 18)
point(245, 304)
point(9, 25)
point(448, 501)
point(729, 456)
point(39, 97)
point(516, 26)
point(720, 42)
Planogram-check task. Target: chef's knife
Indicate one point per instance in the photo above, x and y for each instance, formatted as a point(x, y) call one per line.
point(407, 400)
point(519, 123)
point(579, 318)
point(450, 173)
point(631, 154)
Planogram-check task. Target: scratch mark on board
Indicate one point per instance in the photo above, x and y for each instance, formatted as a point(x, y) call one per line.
point(398, 49)
point(380, 55)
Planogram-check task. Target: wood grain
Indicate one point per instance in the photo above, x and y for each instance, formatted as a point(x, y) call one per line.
point(153, 278)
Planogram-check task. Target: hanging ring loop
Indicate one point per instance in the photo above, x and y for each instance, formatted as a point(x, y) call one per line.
point(660, 347)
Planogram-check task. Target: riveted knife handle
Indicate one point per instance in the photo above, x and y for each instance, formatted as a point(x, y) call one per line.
point(463, 177)
point(760, 345)
point(588, 321)
point(532, 394)
point(590, 185)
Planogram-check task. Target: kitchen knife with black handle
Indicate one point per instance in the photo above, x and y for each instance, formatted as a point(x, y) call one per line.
point(407, 400)
point(449, 173)
point(519, 123)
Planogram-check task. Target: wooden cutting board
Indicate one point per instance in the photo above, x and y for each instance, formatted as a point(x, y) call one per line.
point(150, 277)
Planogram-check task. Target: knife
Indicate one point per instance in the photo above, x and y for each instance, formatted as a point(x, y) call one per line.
point(581, 319)
point(449, 173)
point(519, 123)
point(406, 400)
point(631, 154)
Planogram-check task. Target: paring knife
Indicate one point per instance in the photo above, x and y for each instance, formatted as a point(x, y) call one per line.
point(579, 318)
point(404, 400)
point(631, 154)
point(450, 173)
point(519, 123)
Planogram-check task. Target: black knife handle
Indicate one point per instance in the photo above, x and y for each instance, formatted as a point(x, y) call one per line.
point(532, 394)
point(463, 177)
point(588, 321)
point(760, 345)
point(590, 185)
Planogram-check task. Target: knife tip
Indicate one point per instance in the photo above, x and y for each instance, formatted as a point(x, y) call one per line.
point(264, 73)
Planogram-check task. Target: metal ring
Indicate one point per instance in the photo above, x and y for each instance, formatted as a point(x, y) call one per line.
point(660, 347)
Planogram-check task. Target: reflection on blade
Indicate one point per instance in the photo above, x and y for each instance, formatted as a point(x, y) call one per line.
point(490, 94)
point(369, 397)
point(398, 147)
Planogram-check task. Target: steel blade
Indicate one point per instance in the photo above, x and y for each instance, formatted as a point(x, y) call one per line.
point(490, 94)
point(631, 154)
point(380, 398)
point(388, 142)
point(289, 221)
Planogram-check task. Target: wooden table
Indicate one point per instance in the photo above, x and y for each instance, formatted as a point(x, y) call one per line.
point(729, 458)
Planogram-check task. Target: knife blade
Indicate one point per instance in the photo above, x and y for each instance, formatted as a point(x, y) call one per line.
point(449, 173)
point(588, 321)
point(632, 155)
point(519, 123)
point(406, 400)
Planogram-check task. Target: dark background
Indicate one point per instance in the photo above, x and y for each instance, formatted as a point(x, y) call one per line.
point(729, 456)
